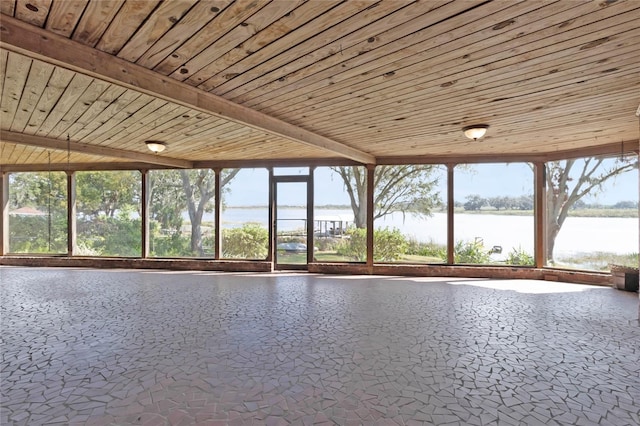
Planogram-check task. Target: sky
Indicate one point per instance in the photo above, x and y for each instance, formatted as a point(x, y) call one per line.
point(487, 180)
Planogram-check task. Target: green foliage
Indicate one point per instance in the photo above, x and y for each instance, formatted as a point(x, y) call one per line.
point(247, 242)
point(597, 261)
point(173, 245)
point(429, 249)
point(30, 234)
point(46, 232)
point(111, 236)
point(83, 249)
point(520, 257)
point(355, 245)
point(109, 212)
point(388, 245)
point(470, 252)
point(397, 189)
point(327, 243)
point(41, 190)
point(106, 193)
point(167, 202)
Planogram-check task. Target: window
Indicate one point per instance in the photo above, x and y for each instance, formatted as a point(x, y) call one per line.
point(38, 212)
point(493, 216)
point(340, 215)
point(592, 213)
point(411, 214)
point(108, 213)
point(181, 213)
point(245, 213)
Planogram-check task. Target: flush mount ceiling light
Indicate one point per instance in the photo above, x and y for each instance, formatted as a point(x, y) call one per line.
point(475, 132)
point(156, 146)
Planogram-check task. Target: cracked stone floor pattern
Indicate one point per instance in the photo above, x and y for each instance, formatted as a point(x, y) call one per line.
point(122, 347)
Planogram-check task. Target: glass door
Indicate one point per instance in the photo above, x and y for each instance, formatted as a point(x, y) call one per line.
point(291, 237)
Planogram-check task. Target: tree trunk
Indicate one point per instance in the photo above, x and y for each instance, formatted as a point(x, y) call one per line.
point(360, 216)
point(196, 232)
point(553, 229)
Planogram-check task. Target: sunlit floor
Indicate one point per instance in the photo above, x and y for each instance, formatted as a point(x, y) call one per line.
point(82, 346)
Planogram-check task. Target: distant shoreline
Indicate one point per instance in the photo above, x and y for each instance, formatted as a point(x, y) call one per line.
point(595, 212)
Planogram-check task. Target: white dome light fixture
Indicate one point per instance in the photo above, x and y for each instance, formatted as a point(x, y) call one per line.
point(156, 146)
point(476, 131)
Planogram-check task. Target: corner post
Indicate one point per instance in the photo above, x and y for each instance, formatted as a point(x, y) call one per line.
point(310, 224)
point(72, 207)
point(371, 168)
point(272, 224)
point(146, 200)
point(540, 214)
point(4, 213)
point(218, 211)
point(450, 211)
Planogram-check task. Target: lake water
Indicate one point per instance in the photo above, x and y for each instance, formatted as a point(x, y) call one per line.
point(578, 234)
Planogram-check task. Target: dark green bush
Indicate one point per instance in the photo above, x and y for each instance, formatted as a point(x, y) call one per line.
point(111, 236)
point(470, 252)
point(388, 245)
point(251, 241)
point(30, 234)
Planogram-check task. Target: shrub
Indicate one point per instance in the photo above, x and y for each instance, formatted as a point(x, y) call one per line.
point(470, 252)
point(388, 245)
point(520, 257)
point(354, 246)
point(82, 249)
point(111, 236)
point(30, 234)
point(248, 242)
point(430, 249)
point(327, 243)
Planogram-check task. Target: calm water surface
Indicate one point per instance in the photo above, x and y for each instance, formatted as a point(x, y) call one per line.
point(578, 234)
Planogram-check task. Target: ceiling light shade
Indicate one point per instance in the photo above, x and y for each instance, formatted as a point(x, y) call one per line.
point(156, 146)
point(475, 132)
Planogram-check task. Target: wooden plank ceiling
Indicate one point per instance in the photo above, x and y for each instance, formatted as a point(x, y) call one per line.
point(88, 81)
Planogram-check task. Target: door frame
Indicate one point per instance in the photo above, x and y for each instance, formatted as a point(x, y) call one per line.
point(275, 180)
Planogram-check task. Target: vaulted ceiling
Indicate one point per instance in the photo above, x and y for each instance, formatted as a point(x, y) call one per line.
point(220, 81)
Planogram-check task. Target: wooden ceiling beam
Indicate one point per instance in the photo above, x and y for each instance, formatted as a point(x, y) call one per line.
point(35, 42)
point(621, 148)
point(62, 145)
point(80, 167)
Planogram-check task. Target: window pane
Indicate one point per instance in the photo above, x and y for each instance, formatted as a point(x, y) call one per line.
point(181, 213)
point(245, 213)
point(291, 171)
point(340, 222)
point(597, 229)
point(411, 211)
point(493, 219)
point(108, 213)
point(38, 212)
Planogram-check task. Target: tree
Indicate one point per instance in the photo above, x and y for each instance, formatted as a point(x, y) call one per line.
point(570, 180)
point(397, 189)
point(474, 202)
point(109, 211)
point(501, 202)
point(45, 230)
point(199, 188)
point(105, 193)
point(625, 205)
point(174, 191)
point(524, 202)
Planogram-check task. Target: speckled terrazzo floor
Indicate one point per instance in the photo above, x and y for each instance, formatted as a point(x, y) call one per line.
point(115, 347)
